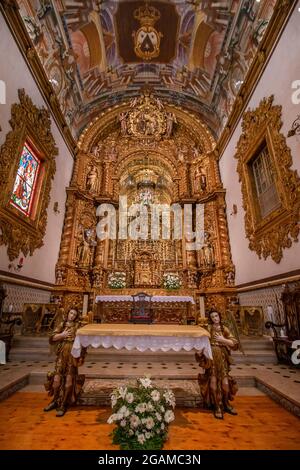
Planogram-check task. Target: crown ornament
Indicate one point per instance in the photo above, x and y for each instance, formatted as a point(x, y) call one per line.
point(147, 15)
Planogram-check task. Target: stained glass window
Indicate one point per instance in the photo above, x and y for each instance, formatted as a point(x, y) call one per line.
point(25, 182)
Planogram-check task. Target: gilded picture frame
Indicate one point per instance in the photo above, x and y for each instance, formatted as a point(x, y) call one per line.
point(21, 233)
point(268, 235)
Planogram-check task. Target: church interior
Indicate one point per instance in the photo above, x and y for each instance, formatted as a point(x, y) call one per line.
point(149, 221)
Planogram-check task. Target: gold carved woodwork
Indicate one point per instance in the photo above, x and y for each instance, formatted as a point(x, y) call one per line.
point(146, 118)
point(252, 321)
point(19, 232)
point(172, 157)
point(216, 302)
point(164, 312)
point(268, 236)
point(72, 301)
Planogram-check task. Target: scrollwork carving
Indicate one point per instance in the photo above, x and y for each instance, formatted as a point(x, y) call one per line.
point(268, 236)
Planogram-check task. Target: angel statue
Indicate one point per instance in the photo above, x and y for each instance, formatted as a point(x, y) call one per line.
point(64, 383)
point(217, 387)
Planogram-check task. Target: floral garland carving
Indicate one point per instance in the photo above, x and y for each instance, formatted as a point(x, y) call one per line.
point(270, 235)
point(18, 233)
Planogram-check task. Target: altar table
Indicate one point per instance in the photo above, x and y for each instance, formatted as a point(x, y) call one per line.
point(165, 308)
point(143, 338)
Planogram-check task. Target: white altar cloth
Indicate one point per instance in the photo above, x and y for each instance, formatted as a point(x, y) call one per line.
point(143, 338)
point(154, 298)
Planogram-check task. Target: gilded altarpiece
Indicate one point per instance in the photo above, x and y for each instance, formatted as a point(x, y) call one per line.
point(147, 153)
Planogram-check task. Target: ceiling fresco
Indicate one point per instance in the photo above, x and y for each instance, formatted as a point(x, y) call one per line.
point(195, 53)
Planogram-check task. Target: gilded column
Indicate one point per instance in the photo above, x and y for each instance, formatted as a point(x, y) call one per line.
point(66, 239)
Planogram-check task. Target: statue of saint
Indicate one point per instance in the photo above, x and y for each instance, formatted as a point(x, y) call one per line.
point(92, 179)
point(199, 181)
point(112, 153)
point(171, 119)
point(207, 252)
point(123, 122)
point(84, 252)
point(59, 277)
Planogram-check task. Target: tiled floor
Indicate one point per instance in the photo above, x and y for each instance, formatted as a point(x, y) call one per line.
point(281, 377)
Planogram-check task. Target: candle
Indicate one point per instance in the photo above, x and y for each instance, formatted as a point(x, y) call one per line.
point(202, 306)
point(270, 313)
point(113, 253)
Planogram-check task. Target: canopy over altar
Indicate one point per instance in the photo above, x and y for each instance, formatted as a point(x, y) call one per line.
point(143, 338)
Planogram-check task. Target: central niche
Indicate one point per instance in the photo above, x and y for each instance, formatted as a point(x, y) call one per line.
point(146, 185)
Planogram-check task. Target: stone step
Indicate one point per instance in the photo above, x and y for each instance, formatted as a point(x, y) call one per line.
point(32, 348)
point(257, 343)
point(39, 378)
point(99, 355)
point(255, 357)
point(187, 394)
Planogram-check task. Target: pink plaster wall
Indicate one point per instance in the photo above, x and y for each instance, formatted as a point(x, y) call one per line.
point(282, 70)
point(15, 73)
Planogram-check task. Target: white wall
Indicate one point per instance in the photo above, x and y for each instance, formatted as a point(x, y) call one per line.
point(281, 71)
point(15, 73)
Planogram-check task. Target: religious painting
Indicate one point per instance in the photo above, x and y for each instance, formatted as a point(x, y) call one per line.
point(147, 32)
point(25, 183)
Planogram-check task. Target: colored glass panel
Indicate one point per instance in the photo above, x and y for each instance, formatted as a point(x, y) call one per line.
point(25, 182)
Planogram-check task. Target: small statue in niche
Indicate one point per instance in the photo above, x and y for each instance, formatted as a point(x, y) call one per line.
point(200, 181)
point(59, 276)
point(207, 252)
point(181, 154)
point(123, 123)
point(112, 153)
point(171, 120)
point(84, 252)
point(92, 179)
point(230, 277)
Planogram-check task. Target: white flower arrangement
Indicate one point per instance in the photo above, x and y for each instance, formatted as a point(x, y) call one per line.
point(117, 280)
point(171, 281)
point(142, 414)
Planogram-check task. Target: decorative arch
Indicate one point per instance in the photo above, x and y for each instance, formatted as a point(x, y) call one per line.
point(150, 151)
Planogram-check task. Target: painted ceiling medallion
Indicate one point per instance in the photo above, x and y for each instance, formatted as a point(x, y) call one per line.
point(147, 38)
